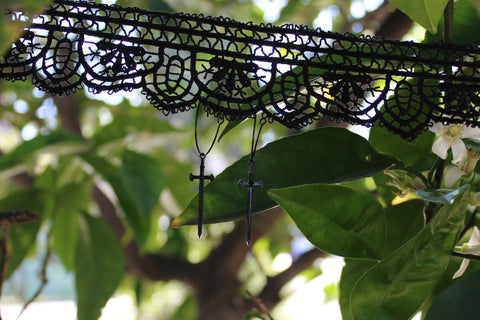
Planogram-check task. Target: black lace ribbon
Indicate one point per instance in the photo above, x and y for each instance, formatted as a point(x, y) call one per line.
point(290, 74)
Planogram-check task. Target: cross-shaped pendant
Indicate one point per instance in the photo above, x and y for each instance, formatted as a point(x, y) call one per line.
point(201, 187)
point(250, 184)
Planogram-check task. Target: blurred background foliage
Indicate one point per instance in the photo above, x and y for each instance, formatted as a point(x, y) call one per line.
point(82, 161)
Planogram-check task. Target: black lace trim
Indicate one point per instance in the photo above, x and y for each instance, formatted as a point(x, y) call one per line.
point(290, 74)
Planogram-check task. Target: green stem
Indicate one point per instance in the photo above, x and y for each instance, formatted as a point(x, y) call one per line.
point(448, 22)
point(430, 207)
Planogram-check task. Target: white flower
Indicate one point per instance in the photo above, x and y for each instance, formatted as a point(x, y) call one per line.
point(452, 176)
point(464, 169)
point(472, 247)
point(451, 137)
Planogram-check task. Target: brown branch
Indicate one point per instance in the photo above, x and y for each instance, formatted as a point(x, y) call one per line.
point(68, 113)
point(43, 282)
point(227, 258)
point(270, 294)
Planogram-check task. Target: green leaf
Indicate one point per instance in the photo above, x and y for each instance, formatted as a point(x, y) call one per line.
point(460, 301)
point(445, 282)
point(229, 127)
point(187, 310)
point(427, 13)
point(30, 147)
point(137, 184)
point(65, 235)
point(398, 285)
point(416, 154)
point(439, 195)
point(336, 219)
point(99, 267)
point(325, 155)
point(351, 272)
point(404, 221)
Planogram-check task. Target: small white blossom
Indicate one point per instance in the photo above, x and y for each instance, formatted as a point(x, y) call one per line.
point(472, 247)
point(451, 137)
point(463, 170)
point(452, 176)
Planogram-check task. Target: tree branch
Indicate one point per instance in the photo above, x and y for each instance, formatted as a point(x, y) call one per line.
point(270, 294)
point(228, 257)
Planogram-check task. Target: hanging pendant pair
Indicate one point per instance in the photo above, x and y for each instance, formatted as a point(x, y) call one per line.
point(250, 183)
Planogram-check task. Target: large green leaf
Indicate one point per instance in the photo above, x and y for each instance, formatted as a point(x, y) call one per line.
point(416, 154)
point(137, 183)
point(403, 222)
point(99, 267)
point(336, 219)
point(427, 13)
point(71, 200)
point(325, 155)
point(460, 301)
point(397, 286)
point(351, 272)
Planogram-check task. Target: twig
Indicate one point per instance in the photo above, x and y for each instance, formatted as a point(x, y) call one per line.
point(43, 279)
point(7, 218)
point(465, 255)
point(260, 305)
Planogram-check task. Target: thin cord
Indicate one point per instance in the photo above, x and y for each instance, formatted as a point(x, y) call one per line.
point(255, 140)
point(204, 154)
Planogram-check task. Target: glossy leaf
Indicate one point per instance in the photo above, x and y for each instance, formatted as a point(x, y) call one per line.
point(336, 219)
point(99, 267)
point(404, 221)
point(398, 285)
point(325, 155)
point(427, 13)
point(416, 154)
point(440, 195)
point(351, 272)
